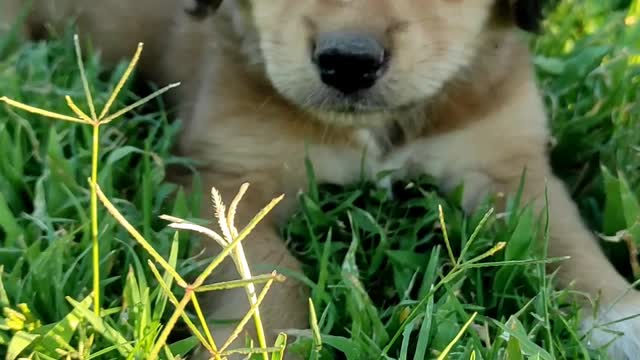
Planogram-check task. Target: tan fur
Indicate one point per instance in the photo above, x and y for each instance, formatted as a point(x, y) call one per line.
point(114, 27)
point(460, 90)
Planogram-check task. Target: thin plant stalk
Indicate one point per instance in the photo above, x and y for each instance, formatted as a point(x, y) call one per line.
point(171, 323)
point(233, 284)
point(447, 350)
point(138, 237)
point(250, 351)
point(201, 318)
point(95, 153)
point(175, 302)
point(94, 219)
point(42, 112)
point(315, 329)
point(245, 319)
point(445, 234)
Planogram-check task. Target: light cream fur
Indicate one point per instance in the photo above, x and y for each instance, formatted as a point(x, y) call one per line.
point(460, 90)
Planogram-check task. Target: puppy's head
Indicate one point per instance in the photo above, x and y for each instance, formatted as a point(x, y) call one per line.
point(354, 62)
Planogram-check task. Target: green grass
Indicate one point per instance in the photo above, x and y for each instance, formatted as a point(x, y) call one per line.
point(381, 270)
point(44, 202)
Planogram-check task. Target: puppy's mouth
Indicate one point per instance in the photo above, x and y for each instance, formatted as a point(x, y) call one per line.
point(362, 110)
point(357, 103)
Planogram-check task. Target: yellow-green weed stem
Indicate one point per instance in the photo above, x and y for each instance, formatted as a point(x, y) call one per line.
point(447, 350)
point(94, 218)
point(209, 345)
point(162, 339)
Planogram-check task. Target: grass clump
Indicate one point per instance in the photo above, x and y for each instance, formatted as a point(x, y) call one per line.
point(372, 260)
point(408, 277)
point(385, 281)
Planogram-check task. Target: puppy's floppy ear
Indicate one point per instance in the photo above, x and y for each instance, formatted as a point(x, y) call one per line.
point(528, 14)
point(200, 9)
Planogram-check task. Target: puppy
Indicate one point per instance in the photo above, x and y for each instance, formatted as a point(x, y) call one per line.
point(438, 87)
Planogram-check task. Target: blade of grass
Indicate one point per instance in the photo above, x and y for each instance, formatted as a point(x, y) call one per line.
point(138, 237)
point(234, 335)
point(138, 103)
point(211, 346)
point(446, 235)
point(37, 111)
point(83, 77)
point(446, 351)
point(233, 284)
point(123, 80)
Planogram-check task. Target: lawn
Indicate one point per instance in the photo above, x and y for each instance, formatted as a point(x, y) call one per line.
point(390, 278)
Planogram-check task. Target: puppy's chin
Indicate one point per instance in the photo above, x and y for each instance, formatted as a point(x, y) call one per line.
point(362, 111)
point(357, 119)
point(362, 116)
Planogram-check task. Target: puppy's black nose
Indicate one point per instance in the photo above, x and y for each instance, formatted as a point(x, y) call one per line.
point(349, 62)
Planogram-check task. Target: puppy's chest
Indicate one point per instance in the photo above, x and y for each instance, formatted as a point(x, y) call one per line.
point(369, 153)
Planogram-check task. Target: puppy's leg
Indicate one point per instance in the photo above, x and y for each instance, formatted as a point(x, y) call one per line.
point(113, 27)
point(588, 266)
point(593, 273)
point(284, 306)
point(490, 155)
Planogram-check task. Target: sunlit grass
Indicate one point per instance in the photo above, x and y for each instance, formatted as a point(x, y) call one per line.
point(230, 243)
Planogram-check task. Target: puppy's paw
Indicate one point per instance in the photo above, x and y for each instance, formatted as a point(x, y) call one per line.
point(617, 329)
point(477, 187)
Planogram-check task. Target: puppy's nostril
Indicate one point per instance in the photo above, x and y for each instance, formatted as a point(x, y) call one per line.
point(349, 62)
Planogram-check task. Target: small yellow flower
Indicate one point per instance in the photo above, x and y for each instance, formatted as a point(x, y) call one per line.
point(19, 320)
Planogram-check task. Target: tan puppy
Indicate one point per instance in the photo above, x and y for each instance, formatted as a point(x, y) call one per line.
point(443, 87)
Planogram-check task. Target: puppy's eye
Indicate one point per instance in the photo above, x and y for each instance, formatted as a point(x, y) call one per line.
point(200, 9)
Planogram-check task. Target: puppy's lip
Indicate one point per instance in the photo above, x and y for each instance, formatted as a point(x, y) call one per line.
point(351, 109)
point(361, 111)
point(357, 103)
point(358, 118)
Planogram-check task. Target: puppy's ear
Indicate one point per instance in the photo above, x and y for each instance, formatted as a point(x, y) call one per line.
point(200, 9)
point(528, 14)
